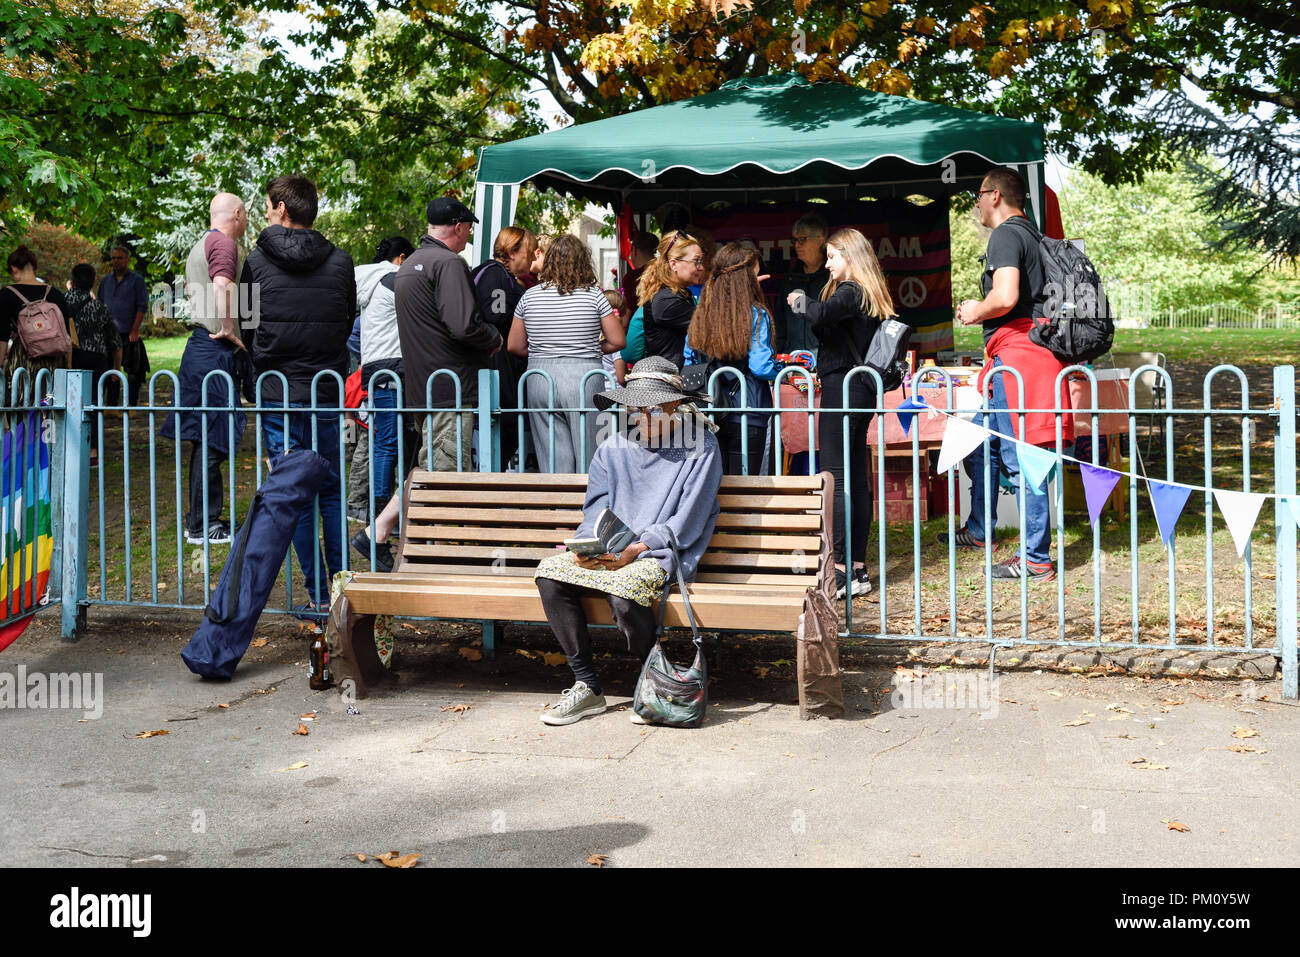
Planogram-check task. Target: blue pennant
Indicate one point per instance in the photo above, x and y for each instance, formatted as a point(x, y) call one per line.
point(1168, 501)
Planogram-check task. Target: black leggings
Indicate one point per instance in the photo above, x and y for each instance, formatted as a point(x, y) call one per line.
point(563, 605)
point(729, 440)
point(830, 446)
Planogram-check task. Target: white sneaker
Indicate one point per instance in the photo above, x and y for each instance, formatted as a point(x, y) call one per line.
point(575, 704)
point(861, 583)
point(637, 719)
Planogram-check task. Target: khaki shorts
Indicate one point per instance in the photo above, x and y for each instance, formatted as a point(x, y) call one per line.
point(444, 442)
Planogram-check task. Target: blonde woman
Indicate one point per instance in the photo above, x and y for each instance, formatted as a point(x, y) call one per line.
point(851, 307)
point(665, 294)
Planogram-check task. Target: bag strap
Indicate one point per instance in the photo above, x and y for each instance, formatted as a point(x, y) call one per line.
point(681, 586)
point(236, 567)
point(25, 300)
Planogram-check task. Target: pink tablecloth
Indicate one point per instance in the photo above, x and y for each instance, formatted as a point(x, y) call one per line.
point(1111, 394)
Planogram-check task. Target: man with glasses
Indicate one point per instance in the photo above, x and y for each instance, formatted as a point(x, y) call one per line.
point(807, 274)
point(1013, 283)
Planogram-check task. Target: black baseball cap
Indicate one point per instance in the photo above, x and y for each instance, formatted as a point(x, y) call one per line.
point(446, 211)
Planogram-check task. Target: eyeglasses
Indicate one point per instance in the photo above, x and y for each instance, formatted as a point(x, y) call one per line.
point(693, 262)
point(654, 411)
point(981, 192)
point(801, 239)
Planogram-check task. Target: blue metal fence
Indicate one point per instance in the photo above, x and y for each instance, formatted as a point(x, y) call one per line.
point(126, 496)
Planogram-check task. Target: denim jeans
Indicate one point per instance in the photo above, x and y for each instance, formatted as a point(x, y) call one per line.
point(1038, 533)
point(317, 571)
point(385, 429)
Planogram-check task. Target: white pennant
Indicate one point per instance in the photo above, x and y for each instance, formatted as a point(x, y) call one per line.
point(1240, 509)
point(960, 438)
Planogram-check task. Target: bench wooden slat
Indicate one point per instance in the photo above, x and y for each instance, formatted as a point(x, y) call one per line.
point(784, 585)
point(571, 518)
point(464, 496)
point(553, 536)
point(754, 501)
point(496, 516)
point(759, 560)
point(416, 599)
point(569, 480)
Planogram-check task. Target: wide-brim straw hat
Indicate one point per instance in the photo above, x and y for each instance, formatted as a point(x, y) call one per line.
point(653, 381)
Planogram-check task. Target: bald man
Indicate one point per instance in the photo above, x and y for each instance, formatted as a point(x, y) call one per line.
point(211, 286)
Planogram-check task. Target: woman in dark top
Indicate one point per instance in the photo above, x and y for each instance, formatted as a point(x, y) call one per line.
point(665, 294)
point(499, 286)
point(850, 309)
point(22, 270)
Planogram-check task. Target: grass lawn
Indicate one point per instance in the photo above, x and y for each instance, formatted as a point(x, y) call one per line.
point(165, 354)
point(1239, 347)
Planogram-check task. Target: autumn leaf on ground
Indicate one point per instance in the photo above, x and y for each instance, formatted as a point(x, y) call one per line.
point(471, 654)
point(1170, 702)
point(296, 766)
point(308, 716)
point(223, 705)
point(1178, 826)
point(1119, 708)
point(457, 708)
point(1244, 733)
point(1075, 724)
point(554, 659)
point(151, 734)
point(257, 643)
point(525, 652)
point(598, 860)
point(302, 729)
point(360, 857)
point(1142, 764)
point(393, 859)
point(1247, 749)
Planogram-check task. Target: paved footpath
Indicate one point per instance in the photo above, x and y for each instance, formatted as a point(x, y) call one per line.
point(1038, 769)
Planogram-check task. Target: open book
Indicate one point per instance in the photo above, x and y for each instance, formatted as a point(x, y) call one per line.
point(610, 536)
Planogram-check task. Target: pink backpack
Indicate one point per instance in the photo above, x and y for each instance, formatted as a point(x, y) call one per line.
point(41, 327)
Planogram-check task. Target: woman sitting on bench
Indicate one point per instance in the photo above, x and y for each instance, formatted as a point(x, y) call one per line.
point(659, 474)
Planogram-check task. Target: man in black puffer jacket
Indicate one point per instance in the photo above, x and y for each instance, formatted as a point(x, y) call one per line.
point(298, 298)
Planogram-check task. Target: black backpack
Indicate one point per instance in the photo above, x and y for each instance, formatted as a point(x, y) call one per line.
point(1077, 325)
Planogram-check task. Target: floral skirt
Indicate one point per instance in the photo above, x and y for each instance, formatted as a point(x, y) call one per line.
point(641, 581)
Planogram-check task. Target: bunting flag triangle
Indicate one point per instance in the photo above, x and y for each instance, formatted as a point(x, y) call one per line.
point(1036, 464)
point(1168, 501)
point(1240, 509)
point(907, 410)
point(1098, 483)
point(960, 439)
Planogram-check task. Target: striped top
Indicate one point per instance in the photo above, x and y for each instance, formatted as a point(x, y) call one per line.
point(563, 327)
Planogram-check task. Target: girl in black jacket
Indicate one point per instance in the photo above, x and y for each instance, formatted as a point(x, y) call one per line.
point(851, 308)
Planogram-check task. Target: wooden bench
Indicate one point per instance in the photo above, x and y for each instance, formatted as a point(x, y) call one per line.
point(472, 540)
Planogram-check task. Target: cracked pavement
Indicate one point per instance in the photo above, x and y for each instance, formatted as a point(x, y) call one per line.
point(1038, 769)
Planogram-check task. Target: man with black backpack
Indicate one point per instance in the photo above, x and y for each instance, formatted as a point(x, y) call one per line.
point(1014, 284)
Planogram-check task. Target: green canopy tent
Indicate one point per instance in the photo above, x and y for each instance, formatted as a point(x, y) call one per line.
point(774, 137)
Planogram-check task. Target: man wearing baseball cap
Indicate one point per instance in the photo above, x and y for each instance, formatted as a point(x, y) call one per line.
point(440, 327)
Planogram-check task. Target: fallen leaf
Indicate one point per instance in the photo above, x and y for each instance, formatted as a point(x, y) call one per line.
point(1170, 702)
point(302, 729)
point(1142, 764)
point(471, 654)
point(257, 643)
point(296, 766)
point(525, 652)
point(554, 659)
point(308, 716)
point(1244, 733)
point(360, 857)
point(1247, 749)
point(787, 754)
point(1055, 694)
point(598, 860)
point(151, 734)
point(392, 859)
point(457, 708)
point(223, 705)
point(1178, 826)
point(1118, 708)
point(1075, 724)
